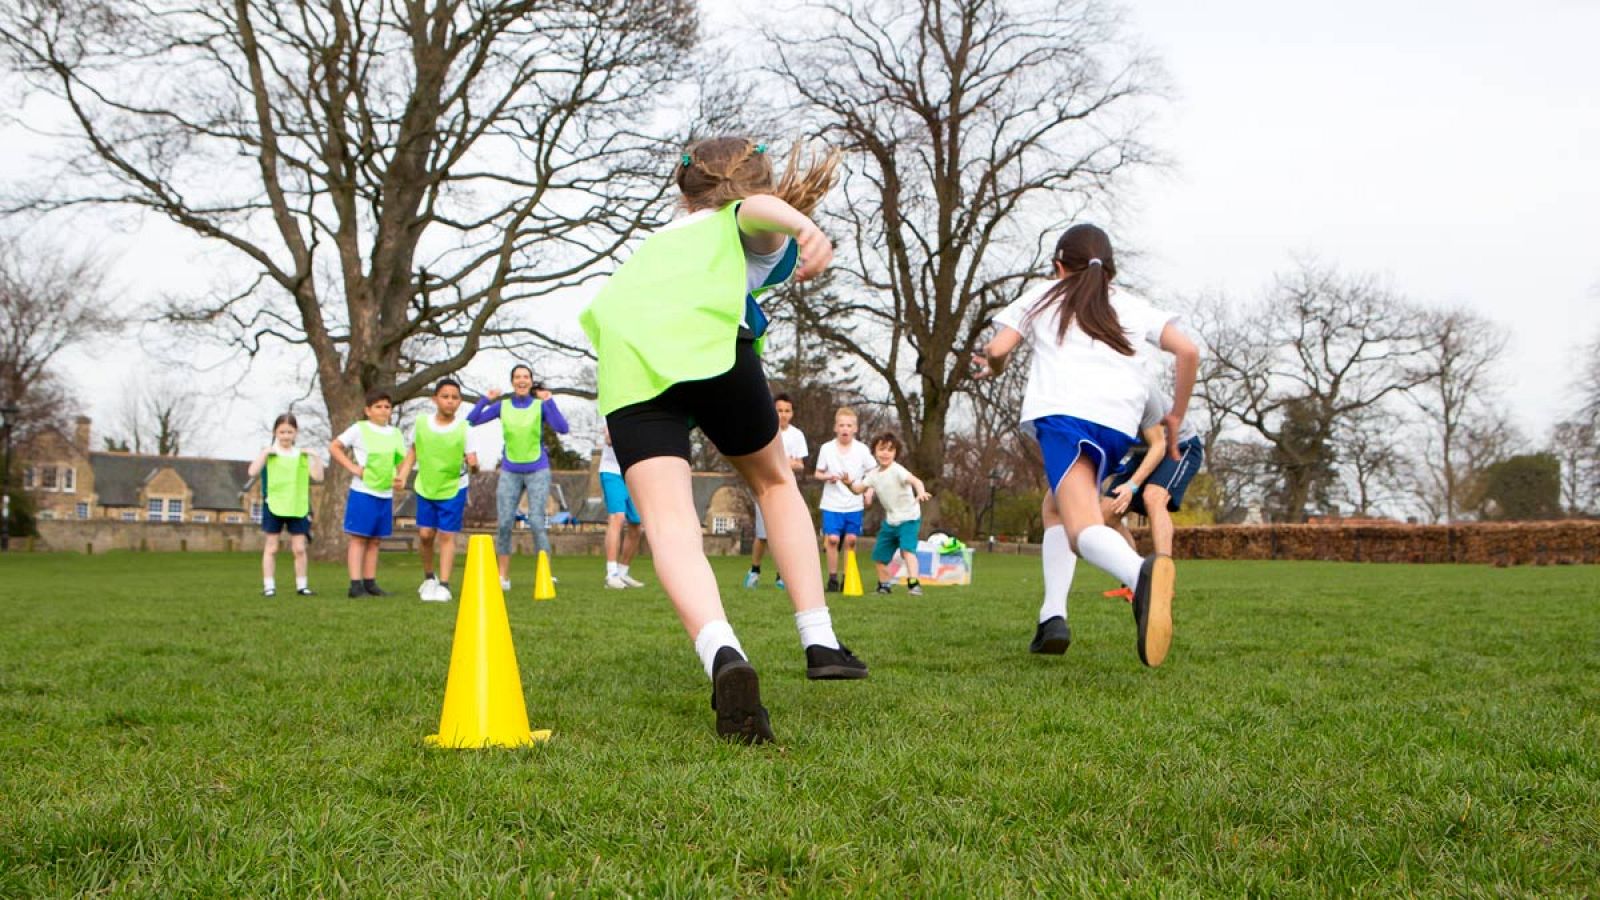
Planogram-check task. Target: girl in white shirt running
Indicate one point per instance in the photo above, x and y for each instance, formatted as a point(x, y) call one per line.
point(1085, 395)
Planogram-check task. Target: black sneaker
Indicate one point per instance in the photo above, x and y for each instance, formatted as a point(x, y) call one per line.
point(736, 696)
point(833, 585)
point(826, 663)
point(1052, 637)
point(884, 588)
point(357, 590)
point(305, 592)
point(373, 590)
point(1152, 608)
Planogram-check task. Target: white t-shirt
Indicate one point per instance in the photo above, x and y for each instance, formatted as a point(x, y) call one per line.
point(1156, 405)
point(357, 448)
point(1082, 377)
point(608, 458)
point(794, 443)
point(856, 462)
point(436, 428)
point(894, 490)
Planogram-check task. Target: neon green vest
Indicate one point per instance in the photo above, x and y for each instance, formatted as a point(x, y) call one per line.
point(523, 430)
point(383, 456)
point(439, 458)
point(289, 485)
point(671, 313)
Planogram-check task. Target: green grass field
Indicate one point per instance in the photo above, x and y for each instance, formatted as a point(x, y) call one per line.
point(1319, 728)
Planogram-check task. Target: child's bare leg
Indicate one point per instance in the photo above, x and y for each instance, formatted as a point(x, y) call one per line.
point(425, 544)
point(662, 489)
point(355, 556)
point(1155, 504)
point(447, 555)
point(788, 521)
point(297, 544)
point(369, 562)
point(831, 544)
point(269, 557)
point(911, 564)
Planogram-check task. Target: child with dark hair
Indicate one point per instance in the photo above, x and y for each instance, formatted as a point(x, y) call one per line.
point(794, 447)
point(677, 332)
point(1086, 392)
point(371, 451)
point(286, 474)
point(443, 462)
point(902, 495)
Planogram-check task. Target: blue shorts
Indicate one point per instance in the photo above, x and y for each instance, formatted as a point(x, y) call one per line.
point(1173, 475)
point(617, 499)
point(894, 538)
point(1065, 438)
point(841, 523)
point(271, 524)
point(442, 515)
point(368, 516)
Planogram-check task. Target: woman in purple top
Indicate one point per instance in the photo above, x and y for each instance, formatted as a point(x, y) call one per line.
point(524, 466)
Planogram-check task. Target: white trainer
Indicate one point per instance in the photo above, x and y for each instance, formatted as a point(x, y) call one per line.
point(631, 581)
point(615, 582)
point(505, 584)
point(440, 593)
point(425, 589)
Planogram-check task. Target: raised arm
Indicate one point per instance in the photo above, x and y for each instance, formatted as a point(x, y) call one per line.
point(991, 360)
point(764, 221)
point(487, 408)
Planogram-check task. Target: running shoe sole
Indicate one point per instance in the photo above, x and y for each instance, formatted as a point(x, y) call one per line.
point(1152, 609)
point(737, 695)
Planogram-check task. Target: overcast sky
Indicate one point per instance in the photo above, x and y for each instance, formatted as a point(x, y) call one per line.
point(1453, 149)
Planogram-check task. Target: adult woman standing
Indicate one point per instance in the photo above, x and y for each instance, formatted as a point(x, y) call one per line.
point(524, 466)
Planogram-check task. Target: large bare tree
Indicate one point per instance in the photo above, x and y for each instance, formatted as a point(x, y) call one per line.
point(1456, 363)
point(49, 301)
point(975, 128)
point(390, 176)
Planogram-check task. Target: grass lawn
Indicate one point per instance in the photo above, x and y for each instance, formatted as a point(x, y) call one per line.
point(1318, 728)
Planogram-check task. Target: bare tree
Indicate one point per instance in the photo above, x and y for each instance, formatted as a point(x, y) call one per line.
point(394, 175)
point(1315, 357)
point(1457, 364)
point(159, 417)
point(48, 302)
point(1576, 444)
point(973, 126)
point(1376, 469)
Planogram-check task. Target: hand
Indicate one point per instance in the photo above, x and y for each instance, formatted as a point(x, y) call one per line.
point(543, 394)
point(1124, 493)
point(493, 395)
point(980, 366)
point(816, 252)
point(399, 483)
point(1171, 422)
point(353, 469)
point(924, 497)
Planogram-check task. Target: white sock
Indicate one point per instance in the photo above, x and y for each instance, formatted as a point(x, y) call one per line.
point(612, 569)
point(622, 570)
point(300, 582)
point(1059, 564)
point(714, 636)
point(1106, 549)
point(505, 584)
point(816, 627)
point(269, 584)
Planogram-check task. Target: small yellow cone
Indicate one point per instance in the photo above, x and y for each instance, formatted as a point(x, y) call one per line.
point(544, 587)
point(483, 705)
point(852, 575)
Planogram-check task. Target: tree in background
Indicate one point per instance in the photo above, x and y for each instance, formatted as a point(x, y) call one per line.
point(973, 127)
point(1456, 363)
point(1521, 487)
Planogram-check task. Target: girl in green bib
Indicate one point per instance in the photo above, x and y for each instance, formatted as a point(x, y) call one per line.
point(440, 456)
point(371, 451)
point(676, 331)
point(286, 474)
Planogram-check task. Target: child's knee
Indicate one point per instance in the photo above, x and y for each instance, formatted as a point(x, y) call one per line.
point(832, 540)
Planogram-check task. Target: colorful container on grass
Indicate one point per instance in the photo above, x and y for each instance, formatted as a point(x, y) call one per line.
point(936, 568)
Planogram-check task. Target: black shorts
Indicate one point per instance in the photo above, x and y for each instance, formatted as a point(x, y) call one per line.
point(734, 410)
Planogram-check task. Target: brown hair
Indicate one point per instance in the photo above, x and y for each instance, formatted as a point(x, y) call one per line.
point(376, 394)
point(893, 440)
point(1084, 295)
point(285, 419)
point(717, 171)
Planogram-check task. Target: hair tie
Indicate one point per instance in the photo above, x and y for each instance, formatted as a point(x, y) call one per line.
point(761, 148)
point(1095, 261)
point(687, 160)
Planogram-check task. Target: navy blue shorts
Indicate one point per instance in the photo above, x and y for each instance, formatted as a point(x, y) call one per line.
point(1065, 438)
point(271, 524)
point(1173, 475)
point(368, 516)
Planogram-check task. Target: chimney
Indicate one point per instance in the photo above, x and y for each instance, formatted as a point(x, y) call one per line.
point(80, 437)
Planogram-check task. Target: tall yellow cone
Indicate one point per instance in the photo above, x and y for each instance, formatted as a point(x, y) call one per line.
point(483, 705)
point(852, 575)
point(544, 587)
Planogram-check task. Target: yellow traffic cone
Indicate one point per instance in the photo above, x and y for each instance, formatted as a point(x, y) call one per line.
point(852, 575)
point(483, 705)
point(544, 587)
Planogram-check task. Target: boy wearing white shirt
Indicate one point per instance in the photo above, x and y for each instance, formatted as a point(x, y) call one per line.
point(794, 447)
point(902, 495)
point(371, 451)
point(842, 457)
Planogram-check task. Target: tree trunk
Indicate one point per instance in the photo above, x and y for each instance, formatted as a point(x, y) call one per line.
point(344, 409)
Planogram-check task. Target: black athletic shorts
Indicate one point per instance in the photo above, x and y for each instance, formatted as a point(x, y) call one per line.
point(734, 410)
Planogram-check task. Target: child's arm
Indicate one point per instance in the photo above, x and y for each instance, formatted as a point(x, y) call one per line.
point(822, 473)
point(991, 360)
point(259, 463)
point(764, 220)
point(1155, 439)
point(337, 451)
point(916, 484)
point(406, 465)
point(1187, 355)
point(472, 462)
point(314, 463)
point(856, 487)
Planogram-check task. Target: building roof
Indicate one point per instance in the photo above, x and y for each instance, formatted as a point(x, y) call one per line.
point(215, 483)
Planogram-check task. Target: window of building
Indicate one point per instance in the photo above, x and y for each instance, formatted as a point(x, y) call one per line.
point(129, 515)
point(47, 478)
point(723, 524)
point(69, 480)
point(153, 509)
point(233, 519)
point(27, 477)
point(174, 510)
point(255, 510)
point(47, 514)
point(200, 517)
point(82, 510)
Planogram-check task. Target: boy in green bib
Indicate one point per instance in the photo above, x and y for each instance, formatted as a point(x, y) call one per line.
point(371, 451)
point(286, 474)
point(440, 456)
point(676, 331)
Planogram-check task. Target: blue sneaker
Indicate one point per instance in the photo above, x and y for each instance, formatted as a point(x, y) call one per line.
point(751, 579)
point(780, 583)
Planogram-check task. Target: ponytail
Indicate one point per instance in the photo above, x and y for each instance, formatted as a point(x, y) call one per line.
point(721, 170)
point(1084, 294)
point(804, 186)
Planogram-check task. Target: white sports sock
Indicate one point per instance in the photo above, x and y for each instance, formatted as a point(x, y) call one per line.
point(269, 584)
point(505, 584)
point(300, 582)
point(1059, 564)
point(816, 627)
point(714, 636)
point(1103, 547)
point(611, 568)
point(622, 570)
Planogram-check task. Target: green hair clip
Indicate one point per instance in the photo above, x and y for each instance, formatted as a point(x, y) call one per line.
point(761, 148)
point(687, 160)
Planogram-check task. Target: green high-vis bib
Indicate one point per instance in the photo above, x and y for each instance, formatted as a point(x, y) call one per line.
point(384, 452)
point(671, 313)
point(289, 485)
point(523, 429)
point(439, 459)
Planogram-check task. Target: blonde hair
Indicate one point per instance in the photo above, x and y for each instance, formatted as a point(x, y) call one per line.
point(717, 171)
point(845, 411)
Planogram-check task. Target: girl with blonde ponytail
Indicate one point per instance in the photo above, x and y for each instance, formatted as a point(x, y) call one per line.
point(677, 332)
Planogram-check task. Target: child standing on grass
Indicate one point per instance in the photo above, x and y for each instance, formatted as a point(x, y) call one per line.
point(902, 495)
point(841, 458)
point(794, 447)
point(439, 454)
point(371, 451)
point(286, 474)
point(623, 529)
point(675, 331)
point(1085, 395)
